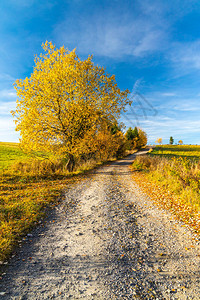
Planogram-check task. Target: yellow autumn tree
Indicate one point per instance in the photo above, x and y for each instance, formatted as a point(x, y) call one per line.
point(61, 106)
point(142, 138)
point(159, 141)
point(135, 138)
point(110, 142)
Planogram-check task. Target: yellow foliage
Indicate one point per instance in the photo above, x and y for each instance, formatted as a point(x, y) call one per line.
point(109, 145)
point(62, 105)
point(159, 141)
point(142, 138)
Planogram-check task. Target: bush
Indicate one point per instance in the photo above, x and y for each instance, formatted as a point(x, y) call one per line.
point(38, 167)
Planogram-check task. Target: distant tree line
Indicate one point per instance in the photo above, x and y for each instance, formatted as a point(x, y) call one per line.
point(171, 141)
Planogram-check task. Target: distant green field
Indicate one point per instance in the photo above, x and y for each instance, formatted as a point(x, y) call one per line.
point(190, 151)
point(11, 152)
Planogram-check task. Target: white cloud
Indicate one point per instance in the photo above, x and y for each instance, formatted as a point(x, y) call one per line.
point(7, 130)
point(6, 77)
point(186, 56)
point(6, 107)
point(111, 34)
point(187, 107)
point(165, 126)
point(7, 125)
point(183, 105)
point(149, 43)
point(168, 94)
point(7, 94)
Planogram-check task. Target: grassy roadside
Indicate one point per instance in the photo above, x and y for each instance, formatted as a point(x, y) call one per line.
point(23, 202)
point(11, 153)
point(172, 181)
point(28, 185)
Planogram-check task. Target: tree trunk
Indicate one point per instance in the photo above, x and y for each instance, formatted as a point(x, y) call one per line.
point(71, 163)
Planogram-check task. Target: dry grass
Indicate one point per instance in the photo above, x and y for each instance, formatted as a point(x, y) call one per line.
point(23, 204)
point(29, 183)
point(173, 184)
point(37, 168)
point(27, 187)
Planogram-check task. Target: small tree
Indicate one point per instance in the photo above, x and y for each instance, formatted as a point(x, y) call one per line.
point(180, 142)
point(131, 138)
point(135, 138)
point(159, 141)
point(171, 140)
point(142, 139)
point(135, 132)
point(130, 134)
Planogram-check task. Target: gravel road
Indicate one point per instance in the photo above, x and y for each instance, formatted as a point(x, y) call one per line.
point(106, 240)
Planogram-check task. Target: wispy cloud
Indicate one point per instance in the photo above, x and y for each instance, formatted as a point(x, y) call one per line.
point(7, 130)
point(6, 107)
point(113, 33)
point(6, 77)
point(188, 106)
point(176, 116)
point(7, 94)
point(185, 57)
point(168, 94)
point(179, 129)
point(7, 125)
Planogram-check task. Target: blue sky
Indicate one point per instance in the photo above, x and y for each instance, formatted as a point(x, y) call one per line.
point(153, 48)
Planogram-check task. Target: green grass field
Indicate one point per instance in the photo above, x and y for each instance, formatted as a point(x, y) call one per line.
point(190, 151)
point(11, 153)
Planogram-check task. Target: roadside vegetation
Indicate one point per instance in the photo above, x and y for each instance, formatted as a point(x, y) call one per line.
point(170, 174)
point(29, 184)
point(32, 182)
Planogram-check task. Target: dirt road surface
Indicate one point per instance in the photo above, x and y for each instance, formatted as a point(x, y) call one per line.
point(106, 240)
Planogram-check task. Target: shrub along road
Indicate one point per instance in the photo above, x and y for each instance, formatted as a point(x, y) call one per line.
point(106, 240)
